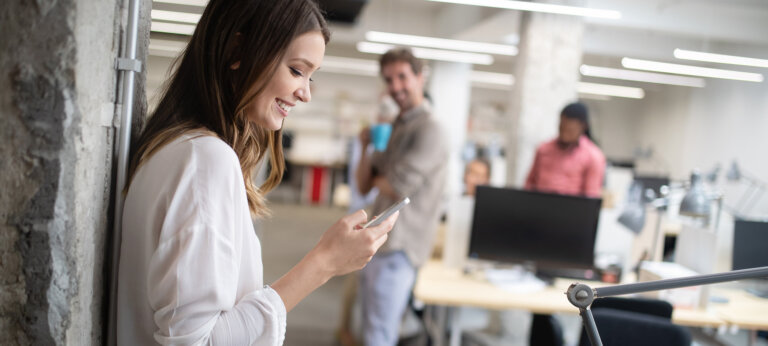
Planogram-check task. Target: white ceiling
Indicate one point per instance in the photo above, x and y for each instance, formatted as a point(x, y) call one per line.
point(648, 29)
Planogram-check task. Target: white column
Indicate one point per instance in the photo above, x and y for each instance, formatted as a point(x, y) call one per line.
point(546, 75)
point(449, 88)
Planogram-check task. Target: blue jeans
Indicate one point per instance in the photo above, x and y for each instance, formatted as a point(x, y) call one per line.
point(385, 286)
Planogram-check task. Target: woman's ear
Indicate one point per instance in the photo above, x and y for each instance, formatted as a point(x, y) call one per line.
point(235, 66)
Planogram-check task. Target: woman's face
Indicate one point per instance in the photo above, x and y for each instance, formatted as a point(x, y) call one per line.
point(290, 83)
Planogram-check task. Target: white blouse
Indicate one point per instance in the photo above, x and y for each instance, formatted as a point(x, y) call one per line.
point(190, 262)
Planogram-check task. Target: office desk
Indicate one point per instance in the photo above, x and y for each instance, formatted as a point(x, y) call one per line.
point(446, 288)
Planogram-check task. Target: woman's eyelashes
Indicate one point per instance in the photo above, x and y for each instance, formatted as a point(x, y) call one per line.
point(296, 72)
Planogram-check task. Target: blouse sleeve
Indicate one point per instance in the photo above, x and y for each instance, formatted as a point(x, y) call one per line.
point(193, 273)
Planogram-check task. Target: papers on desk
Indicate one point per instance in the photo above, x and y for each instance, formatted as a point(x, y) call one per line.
point(681, 298)
point(515, 280)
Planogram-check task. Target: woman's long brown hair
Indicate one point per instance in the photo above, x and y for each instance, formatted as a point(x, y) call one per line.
point(205, 93)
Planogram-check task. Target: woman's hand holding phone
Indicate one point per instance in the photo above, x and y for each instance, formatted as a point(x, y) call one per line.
point(343, 248)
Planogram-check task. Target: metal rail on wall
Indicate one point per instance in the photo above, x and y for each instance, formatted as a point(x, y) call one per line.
point(128, 66)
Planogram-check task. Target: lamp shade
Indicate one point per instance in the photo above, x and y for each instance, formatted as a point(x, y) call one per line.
point(633, 218)
point(696, 202)
point(734, 173)
point(633, 214)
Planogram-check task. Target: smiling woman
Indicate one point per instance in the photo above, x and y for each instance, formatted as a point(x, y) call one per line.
point(190, 269)
point(290, 84)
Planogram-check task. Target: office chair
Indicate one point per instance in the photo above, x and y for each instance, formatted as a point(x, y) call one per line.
point(636, 321)
point(645, 326)
point(545, 331)
point(628, 328)
point(653, 307)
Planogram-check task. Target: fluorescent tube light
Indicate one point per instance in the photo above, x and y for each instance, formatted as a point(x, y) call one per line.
point(690, 70)
point(428, 53)
point(364, 67)
point(595, 97)
point(370, 68)
point(173, 28)
point(441, 43)
point(610, 90)
point(638, 76)
point(172, 16)
point(719, 58)
point(540, 7)
point(494, 78)
point(166, 48)
point(201, 3)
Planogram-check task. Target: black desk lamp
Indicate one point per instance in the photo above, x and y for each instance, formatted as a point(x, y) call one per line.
point(582, 296)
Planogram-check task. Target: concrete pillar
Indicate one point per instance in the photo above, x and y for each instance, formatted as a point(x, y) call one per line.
point(450, 90)
point(57, 95)
point(546, 75)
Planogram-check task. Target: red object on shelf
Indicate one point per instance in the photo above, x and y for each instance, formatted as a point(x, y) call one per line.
point(317, 186)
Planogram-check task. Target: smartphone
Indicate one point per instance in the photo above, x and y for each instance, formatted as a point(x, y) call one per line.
point(387, 213)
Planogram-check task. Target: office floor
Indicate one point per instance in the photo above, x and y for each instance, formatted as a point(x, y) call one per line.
point(286, 237)
point(290, 233)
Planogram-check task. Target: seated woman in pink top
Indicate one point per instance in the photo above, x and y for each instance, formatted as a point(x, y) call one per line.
point(570, 164)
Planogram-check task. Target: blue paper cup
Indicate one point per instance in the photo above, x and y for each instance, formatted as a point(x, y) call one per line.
point(380, 136)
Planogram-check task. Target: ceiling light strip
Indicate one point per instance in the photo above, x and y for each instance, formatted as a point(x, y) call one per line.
point(166, 48)
point(690, 70)
point(638, 76)
point(441, 43)
point(502, 79)
point(610, 90)
point(172, 16)
point(428, 53)
point(173, 28)
point(336, 64)
point(719, 58)
point(539, 7)
point(200, 3)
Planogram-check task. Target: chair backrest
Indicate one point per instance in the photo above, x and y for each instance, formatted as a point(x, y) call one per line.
point(545, 331)
point(628, 328)
point(653, 307)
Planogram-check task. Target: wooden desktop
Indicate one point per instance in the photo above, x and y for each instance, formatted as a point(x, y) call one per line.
point(445, 288)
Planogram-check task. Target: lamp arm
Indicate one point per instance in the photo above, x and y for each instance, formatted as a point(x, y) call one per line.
point(582, 296)
point(687, 281)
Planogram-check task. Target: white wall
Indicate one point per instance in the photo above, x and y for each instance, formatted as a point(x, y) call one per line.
point(692, 128)
point(614, 126)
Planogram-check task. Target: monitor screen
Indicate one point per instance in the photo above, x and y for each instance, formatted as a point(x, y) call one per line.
point(750, 244)
point(552, 231)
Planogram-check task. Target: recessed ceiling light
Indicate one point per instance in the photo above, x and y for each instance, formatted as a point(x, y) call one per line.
point(610, 90)
point(441, 43)
point(690, 70)
point(540, 7)
point(173, 16)
point(502, 79)
point(337, 64)
point(428, 53)
point(719, 58)
point(201, 3)
point(639, 76)
point(173, 28)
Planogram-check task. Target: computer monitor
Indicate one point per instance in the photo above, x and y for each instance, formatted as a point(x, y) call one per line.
point(549, 230)
point(750, 244)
